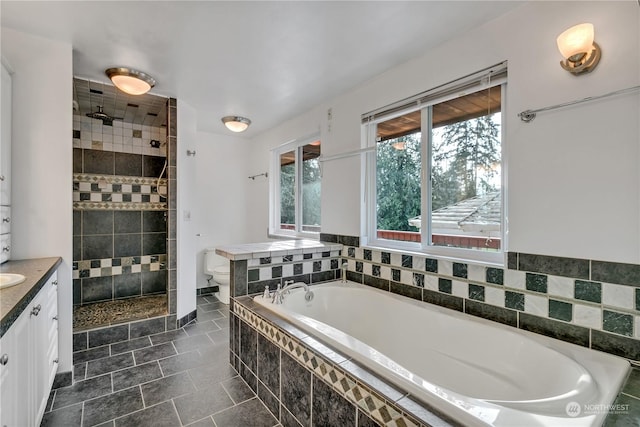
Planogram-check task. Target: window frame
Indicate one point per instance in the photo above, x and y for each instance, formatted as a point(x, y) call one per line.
point(425, 247)
point(275, 228)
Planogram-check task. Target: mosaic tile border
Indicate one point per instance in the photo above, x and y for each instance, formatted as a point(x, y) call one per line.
point(117, 179)
point(117, 192)
point(265, 269)
point(366, 399)
point(120, 206)
point(117, 266)
point(541, 294)
point(588, 312)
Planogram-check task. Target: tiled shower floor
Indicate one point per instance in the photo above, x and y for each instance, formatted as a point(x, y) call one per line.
point(118, 311)
point(177, 378)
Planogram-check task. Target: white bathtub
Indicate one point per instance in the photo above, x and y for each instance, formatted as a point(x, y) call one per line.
point(476, 371)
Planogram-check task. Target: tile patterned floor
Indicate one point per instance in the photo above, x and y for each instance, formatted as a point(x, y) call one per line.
point(173, 379)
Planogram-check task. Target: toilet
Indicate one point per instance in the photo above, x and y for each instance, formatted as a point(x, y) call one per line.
point(218, 268)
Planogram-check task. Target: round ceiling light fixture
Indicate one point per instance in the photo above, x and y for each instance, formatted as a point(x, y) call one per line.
point(130, 81)
point(236, 123)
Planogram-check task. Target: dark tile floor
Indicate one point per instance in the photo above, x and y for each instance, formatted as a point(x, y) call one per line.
point(177, 378)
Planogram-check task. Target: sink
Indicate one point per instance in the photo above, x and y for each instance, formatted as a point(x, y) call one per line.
point(10, 279)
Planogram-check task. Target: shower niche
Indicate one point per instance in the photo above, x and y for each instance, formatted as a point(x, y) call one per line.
point(120, 206)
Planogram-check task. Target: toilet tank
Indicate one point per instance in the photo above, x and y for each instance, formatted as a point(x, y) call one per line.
point(213, 260)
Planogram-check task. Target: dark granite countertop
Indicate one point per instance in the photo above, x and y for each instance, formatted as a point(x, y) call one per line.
point(14, 299)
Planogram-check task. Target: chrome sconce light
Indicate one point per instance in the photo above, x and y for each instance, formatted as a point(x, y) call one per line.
point(580, 51)
point(236, 123)
point(130, 81)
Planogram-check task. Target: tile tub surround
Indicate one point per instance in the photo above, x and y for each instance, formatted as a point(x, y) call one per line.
point(553, 296)
point(256, 265)
point(300, 379)
point(291, 373)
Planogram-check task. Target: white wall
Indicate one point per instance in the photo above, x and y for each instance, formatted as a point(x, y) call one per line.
point(42, 223)
point(221, 182)
point(573, 180)
point(186, 209)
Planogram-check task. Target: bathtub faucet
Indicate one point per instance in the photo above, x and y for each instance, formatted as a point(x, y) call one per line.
point(278, 295)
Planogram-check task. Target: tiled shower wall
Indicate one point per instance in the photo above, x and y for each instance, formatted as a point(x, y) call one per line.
point(85, 341)
point(120, 220)
point(591, 303)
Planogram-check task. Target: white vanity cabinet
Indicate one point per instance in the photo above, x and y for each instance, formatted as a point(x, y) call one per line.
point(29, 359)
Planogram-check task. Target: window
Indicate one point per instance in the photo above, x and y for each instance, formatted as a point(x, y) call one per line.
point(434, 178)
point(296, 188)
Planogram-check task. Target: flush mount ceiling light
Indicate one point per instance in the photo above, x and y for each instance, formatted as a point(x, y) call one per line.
point(581, 53)
point(130, 81)
point(236, 123)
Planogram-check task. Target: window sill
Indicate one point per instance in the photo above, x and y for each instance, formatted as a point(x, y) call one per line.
point(283, 236)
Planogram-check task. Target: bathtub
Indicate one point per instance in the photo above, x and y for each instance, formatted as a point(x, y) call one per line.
point(475, 371)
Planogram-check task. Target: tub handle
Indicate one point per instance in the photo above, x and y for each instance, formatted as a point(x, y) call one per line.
point(277, 295)
point(308, 296)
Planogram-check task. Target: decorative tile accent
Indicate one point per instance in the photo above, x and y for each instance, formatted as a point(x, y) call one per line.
point(370, 402)
point(618, 323)
point(116, 192)
point(407, 261)
point(418, 280)
point(514, 300)
point(588, 291)
point(497, 314)
point(588, 316)
point(476, 292)
point(557, 266)
point(385, 258)
point(560, 310)
point(536, 282)
point(614, 272)
point(113, 266)
point(619, 296)
point(444, 285)
point(536, 285)
point(375, 270)
point(460, 270)
point(431, 265)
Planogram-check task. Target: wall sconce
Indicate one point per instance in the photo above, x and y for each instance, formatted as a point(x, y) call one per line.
point(130, 81)
point(236, 123)
point(580, 51)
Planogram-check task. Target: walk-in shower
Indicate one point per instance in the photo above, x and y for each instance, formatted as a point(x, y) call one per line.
point(119, 206)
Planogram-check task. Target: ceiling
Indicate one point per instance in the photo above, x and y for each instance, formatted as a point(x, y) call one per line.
point(268, 61)
point(92, 97)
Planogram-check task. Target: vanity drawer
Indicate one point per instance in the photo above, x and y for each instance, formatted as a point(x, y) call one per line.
point(5, 247)
point(5, 219)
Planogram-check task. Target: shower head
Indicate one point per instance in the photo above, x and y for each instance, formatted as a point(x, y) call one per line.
point(100, 114)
